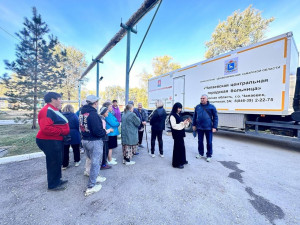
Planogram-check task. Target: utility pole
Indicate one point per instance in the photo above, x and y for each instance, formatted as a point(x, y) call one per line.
point(97, 79)
point(129, 30)
point(79, 93)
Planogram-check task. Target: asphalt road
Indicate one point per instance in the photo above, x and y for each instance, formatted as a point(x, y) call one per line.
point(248, 181)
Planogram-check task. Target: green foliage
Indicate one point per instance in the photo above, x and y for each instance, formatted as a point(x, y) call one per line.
point(239, 30)
point(139, 95)
point(163, 64)
point(118, 93)
point(35, 67)
point(73, 64)
point(2, 89)
point(113, 92)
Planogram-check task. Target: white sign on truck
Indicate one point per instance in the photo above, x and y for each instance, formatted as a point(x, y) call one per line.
point(257, 79)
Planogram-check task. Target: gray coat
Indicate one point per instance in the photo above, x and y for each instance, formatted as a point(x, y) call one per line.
point(129, 130)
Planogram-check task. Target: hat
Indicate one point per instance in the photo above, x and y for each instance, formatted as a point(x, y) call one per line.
point(103, 110)
point(91, 99)
point(130, 102)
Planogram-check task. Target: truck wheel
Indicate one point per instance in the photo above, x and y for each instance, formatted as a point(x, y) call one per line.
point(190, 127)
point(167, 123)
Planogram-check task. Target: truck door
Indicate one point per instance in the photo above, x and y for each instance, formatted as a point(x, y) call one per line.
point(178, 90)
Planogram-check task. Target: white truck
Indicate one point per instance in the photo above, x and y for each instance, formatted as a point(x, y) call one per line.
point(253, 88)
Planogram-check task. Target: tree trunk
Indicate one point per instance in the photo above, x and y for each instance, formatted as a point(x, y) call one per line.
point(35, 87)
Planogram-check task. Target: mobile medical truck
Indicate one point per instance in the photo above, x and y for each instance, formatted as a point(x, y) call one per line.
point(253, 88)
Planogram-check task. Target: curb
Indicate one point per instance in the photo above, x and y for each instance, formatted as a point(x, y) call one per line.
point(18, 158)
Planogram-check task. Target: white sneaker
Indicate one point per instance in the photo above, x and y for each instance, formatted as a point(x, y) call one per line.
point(77, 163)
point(92, 190)
point(198, 156)
point(100, 179)
point(81, 150)
point(161, 155)
point(208, 159)
point(112, 162)
point(129, 163)
point(113, 159)
point(152, 155)
point(86, 174)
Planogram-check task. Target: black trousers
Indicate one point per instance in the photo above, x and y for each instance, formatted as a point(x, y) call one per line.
point(105, 153)
point(141, 133)
point(76, 153)
point(158, 134)
point(53, 150)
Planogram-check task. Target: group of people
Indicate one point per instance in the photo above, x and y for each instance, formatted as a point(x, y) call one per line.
point(97, 129)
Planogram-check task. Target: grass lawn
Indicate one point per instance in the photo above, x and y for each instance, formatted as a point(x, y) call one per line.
point(11, 114)
point(18, 139)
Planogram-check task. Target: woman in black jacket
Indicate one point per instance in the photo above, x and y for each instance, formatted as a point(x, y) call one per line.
point(68, 112)
point(178, 133)
point(157, 123)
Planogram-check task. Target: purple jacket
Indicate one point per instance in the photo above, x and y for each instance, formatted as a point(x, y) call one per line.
point(117, 113)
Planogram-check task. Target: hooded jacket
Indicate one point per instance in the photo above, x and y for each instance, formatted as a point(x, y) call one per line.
point(158, 119)
point(90, 124)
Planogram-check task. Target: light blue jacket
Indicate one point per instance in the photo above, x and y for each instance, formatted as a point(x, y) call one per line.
point(112, 122)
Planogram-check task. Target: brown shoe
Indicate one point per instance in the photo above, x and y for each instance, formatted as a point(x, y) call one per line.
point(106, 167)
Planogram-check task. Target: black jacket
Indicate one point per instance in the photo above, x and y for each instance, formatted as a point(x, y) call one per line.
point(158, 119)
point(91, 124)
point(74, 128)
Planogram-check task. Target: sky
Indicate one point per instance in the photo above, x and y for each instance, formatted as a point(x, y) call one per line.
point(180, 30)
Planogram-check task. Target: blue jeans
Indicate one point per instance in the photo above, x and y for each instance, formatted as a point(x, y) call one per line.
point(94, 151)
point(208, 135)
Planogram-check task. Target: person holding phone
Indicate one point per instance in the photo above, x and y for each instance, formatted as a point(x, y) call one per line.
point(178, 133)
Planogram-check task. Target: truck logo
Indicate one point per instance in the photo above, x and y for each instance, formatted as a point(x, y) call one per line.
point(159, 83)
point(231, 66)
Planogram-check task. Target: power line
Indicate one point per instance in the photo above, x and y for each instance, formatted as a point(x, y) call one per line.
point(9, 34)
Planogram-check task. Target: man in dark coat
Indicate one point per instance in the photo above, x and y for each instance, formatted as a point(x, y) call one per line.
point(205, 121)
point(142, 114)
point(157, 123)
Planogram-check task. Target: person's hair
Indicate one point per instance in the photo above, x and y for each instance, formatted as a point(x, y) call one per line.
point(159, 103)
point(68, 108)
point(106, 104)
point(51, 95)
point(114, 101)
point(204, 95)
point(175, 108)
point(90, 103)
point(128, 107)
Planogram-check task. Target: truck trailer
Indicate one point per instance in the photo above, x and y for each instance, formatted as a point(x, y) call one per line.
point(255, 88)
